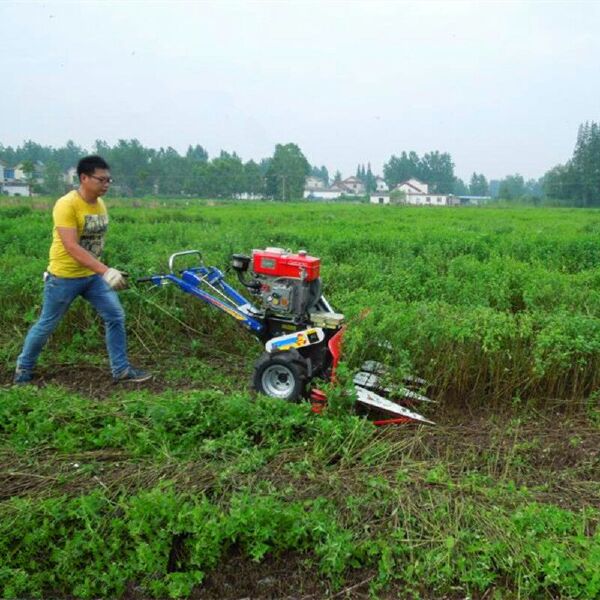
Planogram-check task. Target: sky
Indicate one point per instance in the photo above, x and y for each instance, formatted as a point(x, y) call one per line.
point(501, 86)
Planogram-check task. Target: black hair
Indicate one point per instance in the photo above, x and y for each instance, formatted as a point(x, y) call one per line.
point(88, 164)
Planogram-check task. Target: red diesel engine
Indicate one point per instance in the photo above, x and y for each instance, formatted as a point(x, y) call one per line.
point(276, 262)
point(287, 284)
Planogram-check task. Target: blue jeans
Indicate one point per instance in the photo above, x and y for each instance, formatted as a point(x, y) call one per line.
point(59, 293)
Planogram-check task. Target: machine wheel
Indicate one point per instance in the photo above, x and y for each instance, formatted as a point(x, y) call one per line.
point(283, 375)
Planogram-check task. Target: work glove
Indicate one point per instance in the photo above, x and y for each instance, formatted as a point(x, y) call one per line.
point(115, 279)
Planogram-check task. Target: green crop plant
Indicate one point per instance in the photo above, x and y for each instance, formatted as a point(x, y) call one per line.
point(482, 301)
point(105, 492)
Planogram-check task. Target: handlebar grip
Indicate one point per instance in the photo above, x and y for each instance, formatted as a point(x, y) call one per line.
point(184, 253)
point(144, 279)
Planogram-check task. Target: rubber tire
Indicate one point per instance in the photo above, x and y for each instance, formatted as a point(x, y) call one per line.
point(286, 370)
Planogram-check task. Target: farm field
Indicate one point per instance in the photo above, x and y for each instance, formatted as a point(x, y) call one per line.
point(191, 486)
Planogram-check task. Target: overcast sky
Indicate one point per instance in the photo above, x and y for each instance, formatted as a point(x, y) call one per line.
point(500, 86)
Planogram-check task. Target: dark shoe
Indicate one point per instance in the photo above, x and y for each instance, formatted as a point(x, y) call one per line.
point(22, 376)
point(133, 376)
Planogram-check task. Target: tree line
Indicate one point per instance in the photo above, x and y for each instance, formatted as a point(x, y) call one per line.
point(578, 180)
point(437, 170)
point(140, 171)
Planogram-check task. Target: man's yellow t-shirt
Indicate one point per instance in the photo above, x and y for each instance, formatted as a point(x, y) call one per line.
point(91, 222)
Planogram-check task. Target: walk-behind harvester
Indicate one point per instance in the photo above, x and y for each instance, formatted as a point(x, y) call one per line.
point(301, 333)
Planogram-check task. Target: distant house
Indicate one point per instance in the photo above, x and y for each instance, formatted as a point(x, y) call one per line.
point(18, 174)
point(382, 197)
point(316, 189)
point(412, 186)
point(329, 193)
point(70, 176)
point(381, 185)
point(16, 188)
point(432, 200)
point(417, 193)
point(2, 166)
point(314, 183)
point(353, 185)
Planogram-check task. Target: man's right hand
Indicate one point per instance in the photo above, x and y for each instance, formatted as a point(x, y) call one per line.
point(115, 279)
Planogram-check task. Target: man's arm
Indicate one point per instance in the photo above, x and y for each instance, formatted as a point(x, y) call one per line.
point(70, 240)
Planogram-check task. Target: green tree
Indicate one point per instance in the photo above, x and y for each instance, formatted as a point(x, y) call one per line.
point(437, 169)
point(325, 174)
point(533, 189)
point(53, 179)
point(459, 188)
point(512, 187)
point(578, 181)
point(287, 173)
point(254, 182)
point(196, 179)
point(196, 153)
point(369, 180)
point(560, 183)
point(226, 175)
point(34, 152)
point(28, 169)
point(320, 173)
point(586, 163)
point(168, 171)
point(9, 155)
point(400, 168)
point(68, 156)
point(130, 165)
point(479, 185)
point(264, 165)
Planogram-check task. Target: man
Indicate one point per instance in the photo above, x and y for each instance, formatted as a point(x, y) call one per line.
point(75, 269)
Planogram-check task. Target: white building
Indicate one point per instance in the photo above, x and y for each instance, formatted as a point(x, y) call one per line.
point(381, 185)
point(417, 193)
point(412, 186)
point(353, 185)
point(314, 183)
point(15, 188)
point(418, 199)
point(37, 176)
point(70, 176)
point(19, 174)
point(331, 193)
point(382, 197)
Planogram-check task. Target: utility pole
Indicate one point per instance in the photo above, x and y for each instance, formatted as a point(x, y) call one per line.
point(283, 186)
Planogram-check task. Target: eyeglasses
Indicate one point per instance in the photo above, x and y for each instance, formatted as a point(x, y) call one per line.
point(102, 180)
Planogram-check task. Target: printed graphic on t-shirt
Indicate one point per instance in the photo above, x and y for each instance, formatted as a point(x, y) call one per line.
point(92, 236)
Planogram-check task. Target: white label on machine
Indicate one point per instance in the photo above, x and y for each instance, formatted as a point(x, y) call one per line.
point(299, 339)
